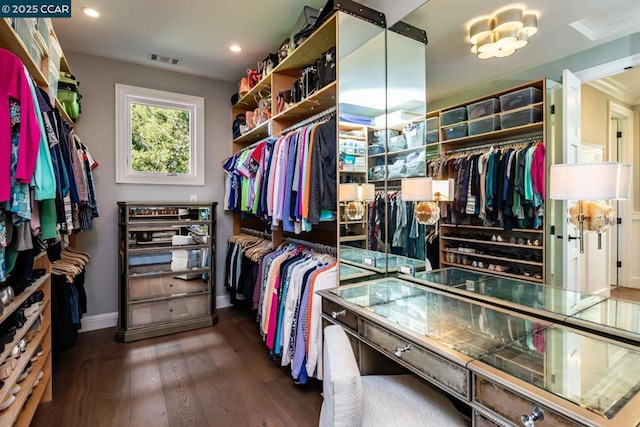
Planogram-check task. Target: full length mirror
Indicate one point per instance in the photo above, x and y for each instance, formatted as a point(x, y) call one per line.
point(521, 105)
point(361, 101)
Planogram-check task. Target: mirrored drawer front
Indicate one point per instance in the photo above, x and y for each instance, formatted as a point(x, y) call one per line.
point(512, 406)
point(168, 311)
point(340, 314)
point(166, 286)
point(451, 376)
point(479, 420)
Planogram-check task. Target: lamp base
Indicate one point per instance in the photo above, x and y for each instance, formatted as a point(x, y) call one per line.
point(427, 213)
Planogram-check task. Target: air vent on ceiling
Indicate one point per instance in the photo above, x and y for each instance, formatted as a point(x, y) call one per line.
point(163, 59)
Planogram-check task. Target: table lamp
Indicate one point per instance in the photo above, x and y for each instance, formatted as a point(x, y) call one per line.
point(590, 184)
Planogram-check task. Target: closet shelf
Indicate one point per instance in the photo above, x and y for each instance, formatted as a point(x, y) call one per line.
point(500, 273)
point(317, 43)
point(20, 333)
point(17, 301)
point(248, 100)
point(353, 238)
point(497, 135)
point(405, 151)
point(10, 40)
point(491, 242)
point(321, 100)
point(354, 138)
point(30, 404)
point(22, 363)
point(165, 272)
point(138, 225)
point(14, 412)
point(482, 227)
point(254, 135)
point(167, 298)
point(497, 258)
point(167, 248)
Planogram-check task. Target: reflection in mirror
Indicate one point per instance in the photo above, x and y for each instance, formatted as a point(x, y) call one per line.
point(362, 99)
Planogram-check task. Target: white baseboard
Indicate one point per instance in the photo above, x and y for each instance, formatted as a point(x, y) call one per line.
point(109, 320)
point(99, 321)
point(223, 301)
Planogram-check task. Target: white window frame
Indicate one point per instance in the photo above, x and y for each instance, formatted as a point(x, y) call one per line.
point(128, 95)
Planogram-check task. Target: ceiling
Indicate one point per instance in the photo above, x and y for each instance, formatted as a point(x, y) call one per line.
point(199, 34)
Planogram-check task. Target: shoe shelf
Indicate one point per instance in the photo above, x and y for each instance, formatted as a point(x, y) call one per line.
point(25, 358)
point(353, 238)
point(482, 227)
point(20, 333)
point(499, 273)
point(17, 301)
point(491, 242)
point(497, 258)
point(24, 407)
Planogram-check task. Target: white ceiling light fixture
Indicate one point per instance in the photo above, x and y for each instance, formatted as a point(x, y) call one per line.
point(503, 33)
point(235, 48)
point(89, 11)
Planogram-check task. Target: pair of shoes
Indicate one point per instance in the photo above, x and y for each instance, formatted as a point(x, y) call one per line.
point(497, 238)
point(7, 295)
point(535, 242)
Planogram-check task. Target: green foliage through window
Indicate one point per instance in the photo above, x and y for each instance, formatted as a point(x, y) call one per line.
point(160, 139)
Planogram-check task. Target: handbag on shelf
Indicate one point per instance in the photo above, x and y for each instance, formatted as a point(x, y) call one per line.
point(326, 68)
point(414, 134)
point(308, 81)
point(267, 65)
point(244, 86)
point(238, 124)
point(253, 77)
point(284, 101)
point(249, 120)
point(283, 51)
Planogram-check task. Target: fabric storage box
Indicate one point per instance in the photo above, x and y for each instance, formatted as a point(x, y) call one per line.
point(456, 115)
point(376, 149)
point(361, 147)
point(455, 131)
point(414, 134)
point(521, 117)
point(181, 240)
point(432, 124)
point(378, 172)
point(482, 108)
point(433, 136)
point(396, 143)
point(520, 98)
point(484, 125)
point(397, 170)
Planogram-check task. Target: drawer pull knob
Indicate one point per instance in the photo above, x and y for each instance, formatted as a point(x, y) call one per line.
point(335, 314)
point(530, 420)
point(400, 350)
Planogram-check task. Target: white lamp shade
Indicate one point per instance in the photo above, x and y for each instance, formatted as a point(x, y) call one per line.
point(417, 189)
point(590, 181)
point(366, 192)
point(348, 192)
point(444, 187)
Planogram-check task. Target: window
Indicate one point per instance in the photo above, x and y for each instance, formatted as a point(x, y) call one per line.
point(159, 137)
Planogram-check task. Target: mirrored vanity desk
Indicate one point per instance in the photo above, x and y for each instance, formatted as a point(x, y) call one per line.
point(499, 362)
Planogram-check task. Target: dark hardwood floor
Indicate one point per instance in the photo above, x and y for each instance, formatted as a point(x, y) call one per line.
point(219, 376)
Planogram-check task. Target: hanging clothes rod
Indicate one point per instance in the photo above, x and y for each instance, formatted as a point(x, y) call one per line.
point(256, 233)
point(326, 113)
point(250, 147)
point(519, 141)
point(317, 247)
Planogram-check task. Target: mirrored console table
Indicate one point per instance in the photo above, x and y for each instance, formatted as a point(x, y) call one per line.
point(500, 363)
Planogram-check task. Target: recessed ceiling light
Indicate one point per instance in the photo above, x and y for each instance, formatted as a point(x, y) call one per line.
point(89, 11)
point(235, 48)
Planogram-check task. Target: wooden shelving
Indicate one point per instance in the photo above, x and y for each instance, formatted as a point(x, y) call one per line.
point(10, 40)
point(496, 258)
point(486, 270)
point(255, 134)
point(357, 238)
point(319, 101)
point(482, 227)
point(491, 242)
point(248, 100)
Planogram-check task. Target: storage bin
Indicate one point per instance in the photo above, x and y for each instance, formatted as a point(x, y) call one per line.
point(396, 143)
point(414, 134)
point(483, 108)
point(520, 98)
point(432, 124)
point(456, 115)
point(521, 117)
point(375, 149)
point(484, 125)
point(456, 131)
point(433, 136)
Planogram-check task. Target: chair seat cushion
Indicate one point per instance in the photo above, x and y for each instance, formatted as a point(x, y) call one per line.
point(404, 400)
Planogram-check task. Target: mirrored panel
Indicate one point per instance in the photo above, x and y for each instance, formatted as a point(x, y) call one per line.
point(361, 101)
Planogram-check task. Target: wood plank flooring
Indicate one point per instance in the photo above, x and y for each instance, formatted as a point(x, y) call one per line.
point(629, 294)
point(219, 376)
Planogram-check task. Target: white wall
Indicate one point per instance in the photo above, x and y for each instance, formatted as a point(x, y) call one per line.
point(96, 128)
